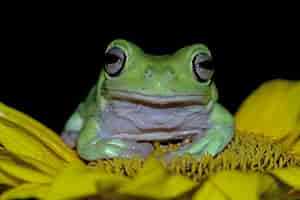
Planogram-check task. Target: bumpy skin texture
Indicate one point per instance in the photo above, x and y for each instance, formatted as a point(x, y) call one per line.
point(152, 98)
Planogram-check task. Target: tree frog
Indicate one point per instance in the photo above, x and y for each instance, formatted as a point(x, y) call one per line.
point(140, 98)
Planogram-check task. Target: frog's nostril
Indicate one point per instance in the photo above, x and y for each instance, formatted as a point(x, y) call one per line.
point(148, 74)
point(170, 74)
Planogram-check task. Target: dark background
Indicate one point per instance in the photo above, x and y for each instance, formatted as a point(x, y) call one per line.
point(51, 60)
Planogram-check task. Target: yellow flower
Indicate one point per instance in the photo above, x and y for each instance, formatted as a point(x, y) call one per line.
point(34, 162)
point(272, 110)
point(261, 162)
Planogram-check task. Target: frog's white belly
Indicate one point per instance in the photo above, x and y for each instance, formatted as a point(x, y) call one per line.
point(121, 119)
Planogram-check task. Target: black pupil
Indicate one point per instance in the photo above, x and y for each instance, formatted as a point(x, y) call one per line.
point(111, 58)
point(200, 64)
point(207, 64)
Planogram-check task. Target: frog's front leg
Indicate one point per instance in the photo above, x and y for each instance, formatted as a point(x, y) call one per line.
point(92, 146)
point(214, 139)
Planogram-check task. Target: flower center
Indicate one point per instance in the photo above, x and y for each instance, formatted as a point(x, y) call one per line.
point(246, 152)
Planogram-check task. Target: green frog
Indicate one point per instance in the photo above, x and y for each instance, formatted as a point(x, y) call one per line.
point(141, 98)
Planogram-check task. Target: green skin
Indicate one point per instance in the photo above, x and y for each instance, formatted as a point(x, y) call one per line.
point(160, 80)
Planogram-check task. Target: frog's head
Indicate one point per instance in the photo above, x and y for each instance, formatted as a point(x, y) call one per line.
point(181, 77)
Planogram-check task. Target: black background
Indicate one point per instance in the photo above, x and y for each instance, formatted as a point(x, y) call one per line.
point(52, 58)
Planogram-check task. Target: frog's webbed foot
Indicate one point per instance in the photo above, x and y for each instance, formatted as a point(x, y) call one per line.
point(211, 143)
point(92, 145)
point(214, 139)
point(110, 148)
point(123, 148)
point(196, 149)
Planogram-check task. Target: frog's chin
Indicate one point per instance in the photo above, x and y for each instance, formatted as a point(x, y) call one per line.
point(187, 99)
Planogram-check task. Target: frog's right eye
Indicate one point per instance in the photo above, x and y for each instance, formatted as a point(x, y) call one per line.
point(203, 68)
point(114, 61)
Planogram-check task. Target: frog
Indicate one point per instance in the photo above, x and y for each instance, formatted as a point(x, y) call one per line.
point(141, 98)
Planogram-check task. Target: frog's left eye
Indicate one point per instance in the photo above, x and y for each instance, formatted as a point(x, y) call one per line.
point(202, 67)
point(114, 61)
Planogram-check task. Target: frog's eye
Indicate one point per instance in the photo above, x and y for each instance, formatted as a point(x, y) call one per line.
point(114, 61)
point(202, 67)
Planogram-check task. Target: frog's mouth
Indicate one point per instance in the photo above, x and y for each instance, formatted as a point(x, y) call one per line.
point(159, 100)
point(159, 136)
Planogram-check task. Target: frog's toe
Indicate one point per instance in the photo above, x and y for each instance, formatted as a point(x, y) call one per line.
point(69, 138)
point(195, 151)
point(137, 149)
point(127, 148)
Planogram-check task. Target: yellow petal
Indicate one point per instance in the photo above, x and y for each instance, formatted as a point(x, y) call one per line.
point(209, 191)
point(39, 131)
point(290, 176)
point(273, 109)
point(153, 181)
point(30, 162)
point(238, 185)
point(8, 180)
point(41, 166)
point(81, 181)
point(5, 178)
point(19, 142)
point(26, 191)
point(22, 171)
